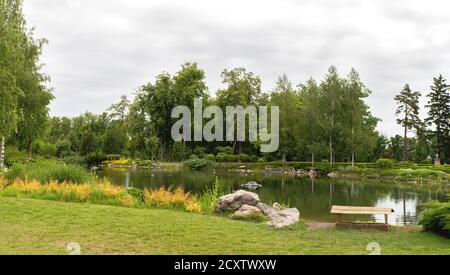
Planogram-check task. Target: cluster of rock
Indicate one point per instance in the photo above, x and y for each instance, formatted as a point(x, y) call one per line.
point(248, 203)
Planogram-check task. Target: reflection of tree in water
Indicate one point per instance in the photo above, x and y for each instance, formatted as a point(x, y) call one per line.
point(313, 197)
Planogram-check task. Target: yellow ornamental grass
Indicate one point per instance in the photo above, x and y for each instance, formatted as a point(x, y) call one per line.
point(3, 183)
point(194, 207)
point(127, 200)
point(26, 187)
point(178, 199)
point(109, 193)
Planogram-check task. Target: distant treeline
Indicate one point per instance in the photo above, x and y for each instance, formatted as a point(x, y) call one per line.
point(326, 120)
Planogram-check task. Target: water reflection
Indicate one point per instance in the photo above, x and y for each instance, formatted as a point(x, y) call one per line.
point(313, 197)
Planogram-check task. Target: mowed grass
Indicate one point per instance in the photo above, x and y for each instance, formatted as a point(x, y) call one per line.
point(46, 227)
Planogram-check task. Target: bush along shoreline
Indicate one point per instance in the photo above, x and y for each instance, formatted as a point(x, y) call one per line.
point(52, 180)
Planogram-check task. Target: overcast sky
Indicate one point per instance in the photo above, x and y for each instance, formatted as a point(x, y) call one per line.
point(99, 50)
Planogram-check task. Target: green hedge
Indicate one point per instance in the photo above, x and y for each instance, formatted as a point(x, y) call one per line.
point(436, 218)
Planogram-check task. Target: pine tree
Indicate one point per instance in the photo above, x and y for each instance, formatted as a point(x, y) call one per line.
point(408, 108)
point(439, 116)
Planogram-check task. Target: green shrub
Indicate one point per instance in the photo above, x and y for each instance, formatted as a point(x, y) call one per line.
point(63, 147)
point(323, 168)
point(194, 156)
point(45, 149)
point(436, 218)
point(231, 158)
point(244, 158)
point(385, 163)
point(95, 159)
point(196, 164)
point(47, 170)
point(220, 157)
point(200, 151)
point(406, 165)
point(75, 160)
point(14, 155)
point(224, 150)
point(253, 159)
point(210, 157)
point(261, 160)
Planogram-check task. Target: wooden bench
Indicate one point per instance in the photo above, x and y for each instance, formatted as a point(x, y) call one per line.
point(353, 210)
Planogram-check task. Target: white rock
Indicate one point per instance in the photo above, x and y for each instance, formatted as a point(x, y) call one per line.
point(284, 218)
point(236, 200)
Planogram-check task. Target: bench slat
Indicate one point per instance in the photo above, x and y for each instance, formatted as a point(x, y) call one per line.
point(353, 210)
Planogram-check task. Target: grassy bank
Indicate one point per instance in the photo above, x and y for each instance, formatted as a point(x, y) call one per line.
point(406, 175)
point(46, 227)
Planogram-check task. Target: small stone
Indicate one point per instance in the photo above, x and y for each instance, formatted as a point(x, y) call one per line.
point(247, 210)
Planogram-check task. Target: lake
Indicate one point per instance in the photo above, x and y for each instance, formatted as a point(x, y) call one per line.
point(313, 197)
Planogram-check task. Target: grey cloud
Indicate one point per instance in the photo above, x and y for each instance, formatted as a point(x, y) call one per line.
point(102, 49)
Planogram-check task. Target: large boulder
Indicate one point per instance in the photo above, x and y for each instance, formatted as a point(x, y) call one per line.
point(283, 218)
point(247, 203)
point(235, 201)
point(266, 209)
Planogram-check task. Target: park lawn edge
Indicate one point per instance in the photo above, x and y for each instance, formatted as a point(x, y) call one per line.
point(29, 226)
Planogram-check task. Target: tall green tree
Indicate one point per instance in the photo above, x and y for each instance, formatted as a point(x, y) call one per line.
point(287, 99)
point(357, 118)
point(408, 110)
point(25, 98)
point(439, 116)
point(243, 89)
point(118, 111)
point(311, 135)
point(331, 94)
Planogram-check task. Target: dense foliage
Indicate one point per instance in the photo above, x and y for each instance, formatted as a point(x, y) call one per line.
point(437, 218)
point(46, 171)
point(24, 98)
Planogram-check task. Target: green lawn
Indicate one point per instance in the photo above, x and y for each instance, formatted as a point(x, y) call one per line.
point(46, 227)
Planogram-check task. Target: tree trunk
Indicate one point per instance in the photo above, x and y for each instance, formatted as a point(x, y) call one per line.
point(405, 145)
point(438, 142)
point(162, 149)
point(2, 153)
point(30, 148)
point(331, 151)
point(353, 147)
point(313, 159)
point(284, 158)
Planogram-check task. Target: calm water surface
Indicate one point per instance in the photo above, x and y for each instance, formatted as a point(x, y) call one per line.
point(313, 198)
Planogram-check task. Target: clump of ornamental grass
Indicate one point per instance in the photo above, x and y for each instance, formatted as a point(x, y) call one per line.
point(211, 195)
point(177, 199)
point(101, 193)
